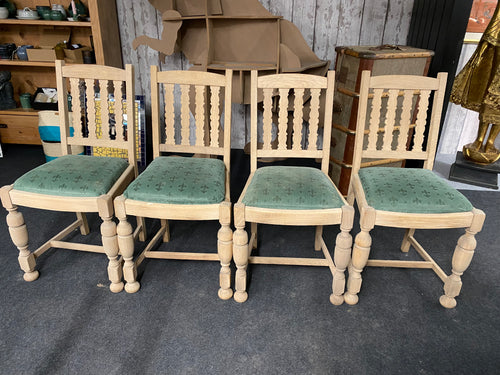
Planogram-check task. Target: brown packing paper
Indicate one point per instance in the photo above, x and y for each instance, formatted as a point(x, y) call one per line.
point(235, 34)
point(48, 40)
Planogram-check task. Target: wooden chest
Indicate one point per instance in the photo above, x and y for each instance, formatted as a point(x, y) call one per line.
point(19, 126)
point(351, 61)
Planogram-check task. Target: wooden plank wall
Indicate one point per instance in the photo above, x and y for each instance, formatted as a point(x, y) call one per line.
point(460, 124)
point(324, 24)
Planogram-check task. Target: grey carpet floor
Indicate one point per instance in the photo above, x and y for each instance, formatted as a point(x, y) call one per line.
point(68, 322)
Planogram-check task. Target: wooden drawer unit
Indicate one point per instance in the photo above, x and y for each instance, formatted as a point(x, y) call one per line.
point(19, 126)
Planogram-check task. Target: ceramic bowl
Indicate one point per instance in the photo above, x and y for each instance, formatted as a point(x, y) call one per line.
point(27, 13)
point(4, 12)
point(56, 15)
point(41, 8)
point(46, 14)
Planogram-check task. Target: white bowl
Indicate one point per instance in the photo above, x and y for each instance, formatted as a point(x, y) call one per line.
point(27, 13)
point(4, 12)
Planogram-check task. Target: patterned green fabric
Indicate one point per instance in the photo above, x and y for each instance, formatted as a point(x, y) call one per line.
point(410, 191)
point(291, 188)
point(73, 176)
point(180, 180)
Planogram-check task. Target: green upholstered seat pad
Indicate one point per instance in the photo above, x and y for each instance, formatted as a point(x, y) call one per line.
point(410, 191)
point(73, 176)
point(180, 180)
point(291, 188)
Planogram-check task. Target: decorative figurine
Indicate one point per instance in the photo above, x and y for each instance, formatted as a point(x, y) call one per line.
point(477, 87)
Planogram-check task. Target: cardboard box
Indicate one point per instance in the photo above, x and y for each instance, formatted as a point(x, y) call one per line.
point(75, 56)
point(48, 40)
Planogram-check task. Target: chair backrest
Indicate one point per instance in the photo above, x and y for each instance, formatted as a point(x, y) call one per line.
point(393, 111)
point(205, 95)
point(103, 107)
point(303, 95)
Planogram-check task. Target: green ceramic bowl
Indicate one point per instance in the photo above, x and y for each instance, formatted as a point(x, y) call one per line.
point(55, 15)
point(46, 14)
point(41, 8)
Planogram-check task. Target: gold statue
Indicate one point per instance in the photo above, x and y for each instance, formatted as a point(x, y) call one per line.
point(477, 87)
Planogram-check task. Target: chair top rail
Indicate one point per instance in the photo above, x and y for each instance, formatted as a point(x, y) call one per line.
point(292, 81)
point(90, 72)
point(404, 82)
point(188, 77)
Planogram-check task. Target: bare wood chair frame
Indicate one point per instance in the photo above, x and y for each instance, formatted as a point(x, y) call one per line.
point(85, 134)
point(208, 143)
point(281, 84)
point(366, 148)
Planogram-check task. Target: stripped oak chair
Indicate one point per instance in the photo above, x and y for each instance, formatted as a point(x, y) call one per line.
point(80, 183)
point(292, 195)
point(183, 187)
point(403, 197)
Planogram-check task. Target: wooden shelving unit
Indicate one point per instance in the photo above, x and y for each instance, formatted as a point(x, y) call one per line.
point(21, 126)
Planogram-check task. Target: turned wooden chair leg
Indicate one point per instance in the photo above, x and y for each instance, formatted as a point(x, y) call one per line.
point(360, 253)
point(110, 245)
point(405, 245)
point(126, 244)
point(317, 238)
point(19, 234)
point(125, 236)
point(110, 242)
point(225, 250)
point(342, 255)
point(254, 232)
point(166, 234)
point(84, 228)
point(461, 260)
point(240, 253)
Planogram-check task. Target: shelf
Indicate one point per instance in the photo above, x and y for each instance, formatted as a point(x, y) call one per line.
point(48, 64)
point(16, 22)
point(219, 65)
point(19, 111)
point(222, 18)
point(305, 66)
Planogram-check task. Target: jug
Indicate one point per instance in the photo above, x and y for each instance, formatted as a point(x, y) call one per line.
point(21, 52)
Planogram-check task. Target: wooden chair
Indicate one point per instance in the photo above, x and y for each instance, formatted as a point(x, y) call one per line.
point(404, 197)
point(79, 183)
point(183, 187)
point(292, 195)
